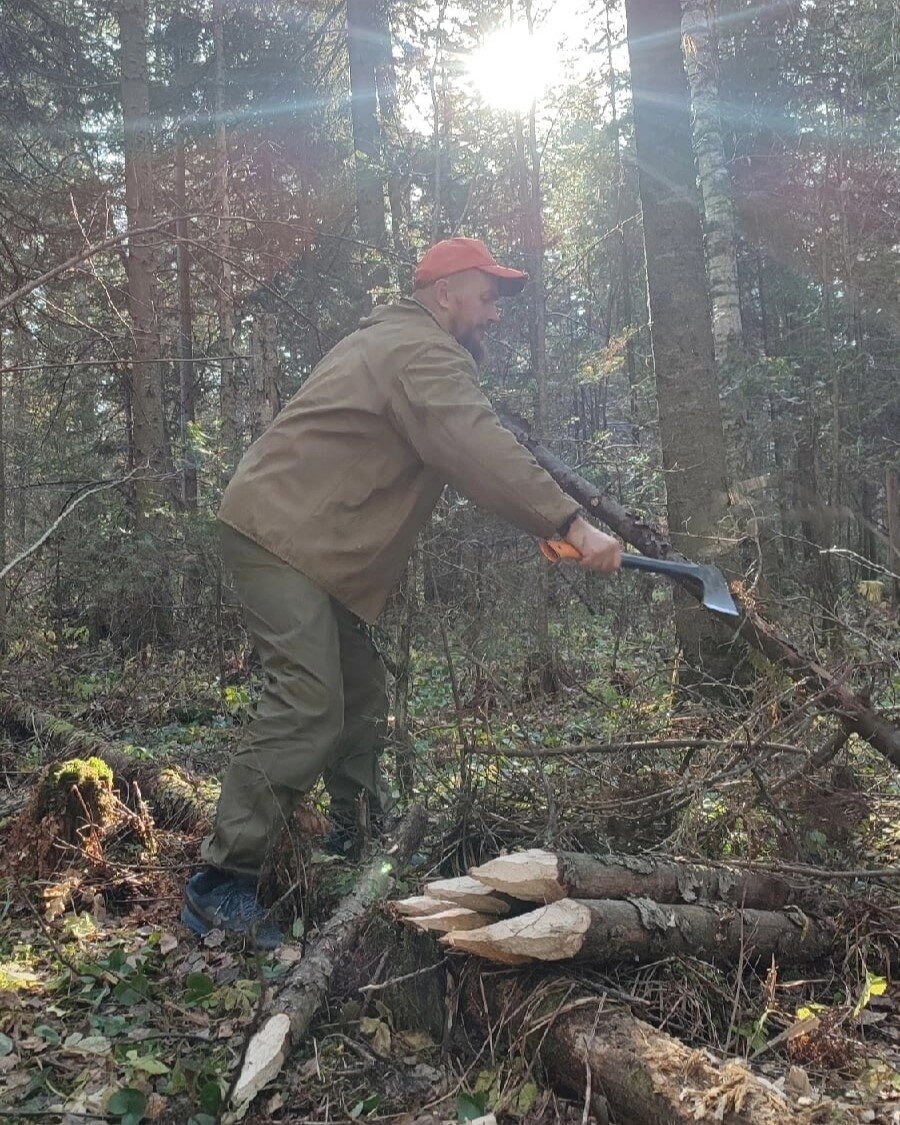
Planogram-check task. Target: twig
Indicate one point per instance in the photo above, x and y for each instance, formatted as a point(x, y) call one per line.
point(399, 980)
point(623, 747)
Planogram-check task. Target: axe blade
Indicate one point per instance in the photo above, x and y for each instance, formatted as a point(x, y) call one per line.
point(715, 594)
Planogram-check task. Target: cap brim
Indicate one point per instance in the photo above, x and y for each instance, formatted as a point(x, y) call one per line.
point(509, 282)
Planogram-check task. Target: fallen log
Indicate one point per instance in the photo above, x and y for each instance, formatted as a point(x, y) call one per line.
point(606, 931)
point(454, 919)
point(178, 799)
point(469, 892)
point(541, 876)
point(834, 697)
point(304, 987)
point(620, 1067)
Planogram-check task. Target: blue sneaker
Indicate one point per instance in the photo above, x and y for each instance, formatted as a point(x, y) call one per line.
point(217, 900)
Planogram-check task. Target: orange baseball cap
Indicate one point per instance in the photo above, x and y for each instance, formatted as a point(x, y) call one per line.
point(454, 255)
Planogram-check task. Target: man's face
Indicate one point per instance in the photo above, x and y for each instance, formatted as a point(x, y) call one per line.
point(471, 305)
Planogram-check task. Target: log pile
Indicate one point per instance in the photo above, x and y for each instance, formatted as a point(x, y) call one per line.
point(607, 909)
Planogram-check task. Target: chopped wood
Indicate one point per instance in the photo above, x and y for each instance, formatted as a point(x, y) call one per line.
point(608, 931)
point(306, 983)
point(466, 891)
point(532, 875)
point(455, 919)
point(417, 906)
point(541, 876)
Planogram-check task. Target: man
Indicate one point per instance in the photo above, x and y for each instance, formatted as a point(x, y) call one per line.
point(318, 523)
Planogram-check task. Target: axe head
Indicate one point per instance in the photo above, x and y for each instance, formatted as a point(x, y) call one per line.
point(716, 594)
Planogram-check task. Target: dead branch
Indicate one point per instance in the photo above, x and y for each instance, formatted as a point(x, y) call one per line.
point(306, 983)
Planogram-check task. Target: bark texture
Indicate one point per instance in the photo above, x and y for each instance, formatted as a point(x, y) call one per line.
point(702, 66)
point(146, 375)
point(542, 876)
point(225, 281)
point(690, 419)
point(606, 931)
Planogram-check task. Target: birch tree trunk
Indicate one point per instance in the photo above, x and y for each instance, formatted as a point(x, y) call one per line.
point(690, 418)
point(225, 281)
point(702, 66)
point(146, 367)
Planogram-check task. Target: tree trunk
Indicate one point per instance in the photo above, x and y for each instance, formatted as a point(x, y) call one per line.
point(892, 500)
point(542, 876)
point(187, 384)
point(264, 399)
point(363, 29)
point(225, 282)
point(610, 931)
point(690, 418)
point(146, 368)
point(702, 65)
point(3, 439)
point(541, 670)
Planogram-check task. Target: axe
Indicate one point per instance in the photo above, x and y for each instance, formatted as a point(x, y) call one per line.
point(714, 590)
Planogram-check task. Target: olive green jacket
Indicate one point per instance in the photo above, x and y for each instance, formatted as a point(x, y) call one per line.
point(341, 483)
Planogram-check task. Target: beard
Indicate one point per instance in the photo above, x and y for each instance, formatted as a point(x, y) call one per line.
point(472, 344)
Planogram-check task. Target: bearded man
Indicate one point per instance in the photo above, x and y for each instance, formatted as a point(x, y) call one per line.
point(317, 525)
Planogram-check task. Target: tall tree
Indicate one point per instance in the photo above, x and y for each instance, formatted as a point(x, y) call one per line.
point(364, 28)
point(146, 384)
point(702, 65)
point(690, 418)
point(224, 281)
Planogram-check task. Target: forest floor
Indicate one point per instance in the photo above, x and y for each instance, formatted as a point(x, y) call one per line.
point(111, 1011)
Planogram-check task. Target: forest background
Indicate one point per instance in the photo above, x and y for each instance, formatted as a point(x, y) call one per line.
point(198, 202)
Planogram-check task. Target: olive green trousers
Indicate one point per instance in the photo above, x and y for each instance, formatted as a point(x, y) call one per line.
point(322, 713)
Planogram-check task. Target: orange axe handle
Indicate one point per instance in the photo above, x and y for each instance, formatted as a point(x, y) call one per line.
point(555, 550)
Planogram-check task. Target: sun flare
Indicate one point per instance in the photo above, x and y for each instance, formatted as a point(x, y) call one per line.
point(513, 68)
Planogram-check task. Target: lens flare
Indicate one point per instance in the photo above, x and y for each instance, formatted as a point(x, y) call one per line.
point(512, 68)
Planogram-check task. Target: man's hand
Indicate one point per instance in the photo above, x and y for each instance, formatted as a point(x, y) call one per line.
point(600, 552)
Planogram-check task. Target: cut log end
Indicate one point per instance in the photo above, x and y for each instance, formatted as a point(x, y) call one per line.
point(456, 918)
point(532, 875)
point(470, 892)
point(418, 906)
point(551, 933)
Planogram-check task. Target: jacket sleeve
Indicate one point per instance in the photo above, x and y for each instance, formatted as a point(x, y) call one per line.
point(449, 422)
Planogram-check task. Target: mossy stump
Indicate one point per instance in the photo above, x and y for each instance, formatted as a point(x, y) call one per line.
point(75, 815)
